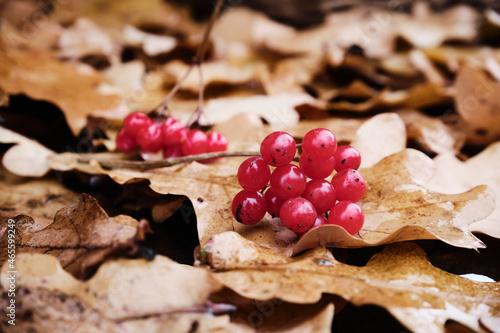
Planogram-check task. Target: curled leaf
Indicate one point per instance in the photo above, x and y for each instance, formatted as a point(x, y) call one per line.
point(27, 158)
point(400, 279)
point(455, 176)
point(398, 207)
point(124, 295)
point(81, 236)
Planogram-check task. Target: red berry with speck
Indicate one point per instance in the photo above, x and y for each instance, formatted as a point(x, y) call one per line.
point(254, 174)
point(316, 169)
point(321, 194)
point(349, 184)
point(278, 149)
point(320, 220)
point(298, 214)
point(319, 144)
point(347, 157)
point(249, 207)
point(348, 215)
point(288, 181)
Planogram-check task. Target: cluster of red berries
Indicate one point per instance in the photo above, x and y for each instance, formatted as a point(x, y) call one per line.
point(150, 135)
point(301, 204)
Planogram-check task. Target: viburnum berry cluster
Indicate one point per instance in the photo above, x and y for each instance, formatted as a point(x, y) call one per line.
point(151, 135)
point(301, 196)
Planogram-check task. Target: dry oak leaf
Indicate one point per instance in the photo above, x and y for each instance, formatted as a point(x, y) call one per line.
point(211, 189)
point(478, 103)
point(418, 96)
point(278, 110)
point(217, 72)
point(38, 198)
point(123, 296)
point(277, 316)
point(398, 207)
point(81, 236)
point(431, 133)
point(453, 56)
point(368, 27)
point(73, 88)
point(400, 279)
point(380, 136)
point(455, 176)
point(85, 38)
point(152, 44)
point(27, 158)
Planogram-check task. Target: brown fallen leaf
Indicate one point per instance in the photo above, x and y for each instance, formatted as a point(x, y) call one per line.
point(477, 100)
point(379, 137)
point(400, 279)
point(210, 188)
point(123, 296)
point(81, 236)
point(38, 198)
point(454, 176)
point(367, 27)
point(431, 133)
point(152, 44)
point(278, 110)
point(39, 76)
point(217, 72)
point(275, 315)
point(398, 207)
point(454, 56)
point(27, 158)
point(418, 96)
point(85, 38)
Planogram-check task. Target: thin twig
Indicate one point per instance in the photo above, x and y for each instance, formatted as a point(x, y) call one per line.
point(146, 165)
point(197, 60)
point(199, 109)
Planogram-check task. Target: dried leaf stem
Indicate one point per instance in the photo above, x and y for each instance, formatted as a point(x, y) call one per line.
point(108, 162)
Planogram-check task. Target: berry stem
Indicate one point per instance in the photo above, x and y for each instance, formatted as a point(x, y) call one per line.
point(199, 109)
point(162, 108)
point(107, 162)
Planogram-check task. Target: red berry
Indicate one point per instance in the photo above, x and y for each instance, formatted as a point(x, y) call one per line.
point(173, 150)
point(349, 185)
point(125, 141)
point(249, 207)
point(278, 149)
point(316, 169)
point(149, 137)
point(135, 122)
point(273, 203)
point(216, 142)
point(320, 220)
point(254, 174)
point(348, 215)
point(171, 131)
point(321, 194)
point(298, 214)
point(319, 144)
point(347, 157)
point(194, 142)
point(288, 181)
